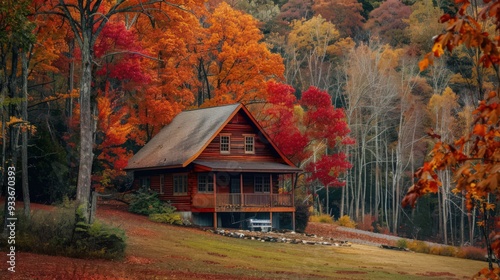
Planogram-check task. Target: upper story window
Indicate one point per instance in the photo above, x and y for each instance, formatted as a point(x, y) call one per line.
point(205, 183)
point(225, 144)
point(262, 183)
point(180, 184)
point(249, 145)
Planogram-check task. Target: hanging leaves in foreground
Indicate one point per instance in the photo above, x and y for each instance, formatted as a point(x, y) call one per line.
point(476, 169)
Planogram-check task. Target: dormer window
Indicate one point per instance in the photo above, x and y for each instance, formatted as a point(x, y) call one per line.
point(225, 141)
point(249, 145)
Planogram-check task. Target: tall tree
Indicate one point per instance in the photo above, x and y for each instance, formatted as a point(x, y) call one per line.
point(344, 14)
point(312, 48)
point(389, 21)
point(16, 40)
point(234, 65)
point(87, 19)
point(301, 128)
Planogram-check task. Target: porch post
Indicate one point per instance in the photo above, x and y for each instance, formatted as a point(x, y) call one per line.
point(293, 200)
point(215, 200)
point(241, 189)
point(271, 200)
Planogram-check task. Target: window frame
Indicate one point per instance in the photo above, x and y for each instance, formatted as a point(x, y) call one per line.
point(145, 182)
point(260, 187)
point(223, 136)
point(208, 180)
point(184, 184)
point(162, 183)
point(245, 144)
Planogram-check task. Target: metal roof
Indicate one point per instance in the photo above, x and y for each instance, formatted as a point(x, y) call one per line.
point(181, 140)
point(247, 166)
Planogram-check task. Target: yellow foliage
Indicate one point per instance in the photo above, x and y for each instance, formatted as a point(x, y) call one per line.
point(324, 218)
point(346, 221)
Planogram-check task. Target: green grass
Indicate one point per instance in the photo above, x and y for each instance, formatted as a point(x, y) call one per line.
point(177, 248)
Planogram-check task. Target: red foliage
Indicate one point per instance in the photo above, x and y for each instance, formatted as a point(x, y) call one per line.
point(296, 126)
point(119, 49)
point(329, 168)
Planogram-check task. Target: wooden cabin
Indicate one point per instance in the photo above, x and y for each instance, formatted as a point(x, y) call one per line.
point(219, 168)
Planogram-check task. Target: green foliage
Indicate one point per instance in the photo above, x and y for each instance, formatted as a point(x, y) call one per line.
point(402, 243)
point(146, 202)
point(62, 232)
point(324, 218)
point(301, 216)
point(346, 221)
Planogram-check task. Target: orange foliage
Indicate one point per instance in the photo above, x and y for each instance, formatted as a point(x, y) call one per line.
point(477, 171)
point(235, 65)
point(114, 128)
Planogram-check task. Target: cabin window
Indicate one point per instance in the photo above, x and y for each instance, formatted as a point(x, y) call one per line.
point(262, 183)
point(162, 183)
point(180, 184)
point(145, 183)
point(205, 183)
point(225, 141)
point(249, 145)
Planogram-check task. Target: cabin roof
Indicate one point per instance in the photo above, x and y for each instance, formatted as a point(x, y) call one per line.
point(248, 166)
point(190, 132)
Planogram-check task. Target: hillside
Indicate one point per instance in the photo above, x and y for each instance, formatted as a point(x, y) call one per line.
point(157, 251)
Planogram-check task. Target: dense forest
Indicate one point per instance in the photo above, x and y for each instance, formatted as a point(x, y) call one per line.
point(85, 84)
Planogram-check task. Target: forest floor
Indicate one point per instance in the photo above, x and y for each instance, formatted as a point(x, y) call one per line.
point(159, 251)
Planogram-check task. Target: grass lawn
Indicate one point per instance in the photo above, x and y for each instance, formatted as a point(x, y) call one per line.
point(157, 251)
point(178, 248)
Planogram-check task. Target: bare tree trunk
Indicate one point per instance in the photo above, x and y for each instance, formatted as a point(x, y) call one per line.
point(24, 147)
point(86, 127)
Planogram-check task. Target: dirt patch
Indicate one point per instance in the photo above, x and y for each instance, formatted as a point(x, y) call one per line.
point(217, 254)
point(437, 274)
point(137, 260)
point(350, 272)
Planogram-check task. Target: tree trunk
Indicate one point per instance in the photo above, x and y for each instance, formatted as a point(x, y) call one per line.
point(24, 146)
point(86, 143)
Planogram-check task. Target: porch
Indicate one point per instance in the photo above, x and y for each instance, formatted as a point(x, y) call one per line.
point(246, 202)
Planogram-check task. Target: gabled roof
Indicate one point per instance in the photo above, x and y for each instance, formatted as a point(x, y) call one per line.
point(184, 139)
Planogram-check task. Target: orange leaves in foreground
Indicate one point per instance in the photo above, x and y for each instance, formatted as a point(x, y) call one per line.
point(477, 173)
point(463, 29)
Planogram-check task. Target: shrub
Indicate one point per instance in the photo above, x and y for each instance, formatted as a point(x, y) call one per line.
point(346, 221)
point(146, 202)
point(62, 232)
point(402, 243)
point(98, 240)
point(301, 216)
point(367, 223)
point(324, 218)
point(471, 253)
point(419, 246)
point(166, 218)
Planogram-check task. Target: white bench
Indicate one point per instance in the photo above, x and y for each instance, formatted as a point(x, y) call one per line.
point(264, 225)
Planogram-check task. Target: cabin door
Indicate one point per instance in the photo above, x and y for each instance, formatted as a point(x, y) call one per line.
point(235, 184)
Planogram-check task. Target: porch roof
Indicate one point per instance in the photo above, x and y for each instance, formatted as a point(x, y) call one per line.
point(247, 166)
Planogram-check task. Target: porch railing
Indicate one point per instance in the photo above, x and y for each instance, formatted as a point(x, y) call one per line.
point(201, 200)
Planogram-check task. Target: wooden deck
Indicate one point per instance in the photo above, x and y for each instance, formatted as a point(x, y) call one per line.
point(250, 202)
